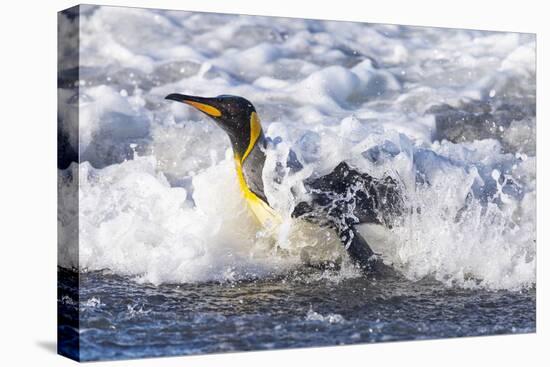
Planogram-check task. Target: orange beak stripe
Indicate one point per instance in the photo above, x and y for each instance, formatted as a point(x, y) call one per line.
point(209, 110)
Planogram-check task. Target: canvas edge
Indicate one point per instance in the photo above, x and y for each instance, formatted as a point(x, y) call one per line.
point(68, 72)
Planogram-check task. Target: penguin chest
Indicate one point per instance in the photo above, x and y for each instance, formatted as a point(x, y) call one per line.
point(265, 215)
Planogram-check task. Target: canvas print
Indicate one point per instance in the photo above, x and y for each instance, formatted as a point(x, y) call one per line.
point(237, 182)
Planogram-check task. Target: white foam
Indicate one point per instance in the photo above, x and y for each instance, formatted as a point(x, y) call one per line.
point(134, 223)
point(489, 245)
point(331, 318)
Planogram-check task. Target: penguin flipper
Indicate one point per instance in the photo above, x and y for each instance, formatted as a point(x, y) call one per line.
point(359, 250)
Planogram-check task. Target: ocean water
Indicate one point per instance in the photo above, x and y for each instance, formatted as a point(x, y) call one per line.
point(170, 260)
point(122, 319)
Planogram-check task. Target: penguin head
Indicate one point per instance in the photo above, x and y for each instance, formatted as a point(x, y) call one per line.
point(234, 114)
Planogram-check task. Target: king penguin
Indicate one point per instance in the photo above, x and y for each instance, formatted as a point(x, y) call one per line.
point(341, 200)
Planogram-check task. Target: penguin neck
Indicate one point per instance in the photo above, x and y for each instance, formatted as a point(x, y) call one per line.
point(249, 176)
point(250, 165)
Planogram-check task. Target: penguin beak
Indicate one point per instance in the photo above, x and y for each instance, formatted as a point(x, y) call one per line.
point(200, 103)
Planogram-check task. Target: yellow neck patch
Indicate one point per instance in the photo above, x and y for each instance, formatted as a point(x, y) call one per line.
point(267, 217)
point(255, 130)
